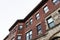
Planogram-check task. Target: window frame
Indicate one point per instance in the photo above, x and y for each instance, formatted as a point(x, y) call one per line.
point(31, 21)
point(27, 24)
point(17, 37)
point(55, 2)
point(46, 9)
point(50, 22)
point(29, 35)
point(37, 17)
point(19, 28)
point(59, 11)
point(39, 29)
point(12, 38)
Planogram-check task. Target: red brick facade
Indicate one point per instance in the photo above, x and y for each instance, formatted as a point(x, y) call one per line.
point(43, 15)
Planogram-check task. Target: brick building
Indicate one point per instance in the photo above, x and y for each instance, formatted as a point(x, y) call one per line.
point(42, 23)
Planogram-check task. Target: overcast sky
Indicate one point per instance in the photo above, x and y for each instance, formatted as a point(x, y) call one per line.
point(11, 10)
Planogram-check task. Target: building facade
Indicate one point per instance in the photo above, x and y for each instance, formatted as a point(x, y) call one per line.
point(42, 23)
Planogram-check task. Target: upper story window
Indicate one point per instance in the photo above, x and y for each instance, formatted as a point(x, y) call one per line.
point(20, 27)
point(46, 9)
point(39, 29)
point(29, 35)
point(27, 24)
point(50, 22)
point(56, 1)
point(31, 21)
point(12, 38)
point(37, 16)
point(18, 37)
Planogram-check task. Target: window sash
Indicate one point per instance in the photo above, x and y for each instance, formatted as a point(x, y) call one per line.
point(18, 37)
point(29, 35)
point(20, 27)
point(46, 9)
point(51, 24)
point(50, 20)
point(31, 20)
point(27, 24)
point(39, 30)
point(39, 27)
point(56, 1)
point(37, 16)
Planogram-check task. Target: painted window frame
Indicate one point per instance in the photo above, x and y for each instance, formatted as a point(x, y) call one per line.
point(29, 35)
point(39, 29)
point(55, 2)
point(37, 16)
point(31, 21)
point(27, 24)
point(20, 27)
point(46, 9)
point(50, 22)
point(18, 36)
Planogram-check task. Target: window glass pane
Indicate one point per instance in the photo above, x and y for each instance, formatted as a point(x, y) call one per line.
point(59, 11)
point(50, 20)
point(51, 24)
point(27, 24)
point(39, 27)
point(19, 37)
point(20, 27)
point(46, 9)
point(39, 31)
point(27, 34)
point(30, 36)
point(37, 16)
point(12, 38)
point(31, 21)
point(27, 38)
point(30, 32)
point(56, 1)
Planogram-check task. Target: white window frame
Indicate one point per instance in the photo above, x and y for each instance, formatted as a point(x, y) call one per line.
point(31, 21)
point(37, 16)
point(39, 29)
point(20, 27)
point(46, 9)
point(29, 35)
point(27, 24)
point(50, 21)
point(18, 37)
point(56, 1)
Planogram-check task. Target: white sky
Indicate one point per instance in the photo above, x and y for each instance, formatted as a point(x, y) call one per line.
point(11, 10)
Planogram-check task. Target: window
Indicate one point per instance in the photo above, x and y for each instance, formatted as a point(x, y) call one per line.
point(59, 11)
point(18, 37)
point(20, 27)
point(12, 38)
point(39, 30)
point(56, 1)
point(46, 9)
point(29, 35)
point(27, 24)
point(31, 20)
point(37, 16)
point(50, 22)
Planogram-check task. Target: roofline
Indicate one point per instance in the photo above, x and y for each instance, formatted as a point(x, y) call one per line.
point(18, 21)
point(6, 37)
point(30, 14)
point(35, 9)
